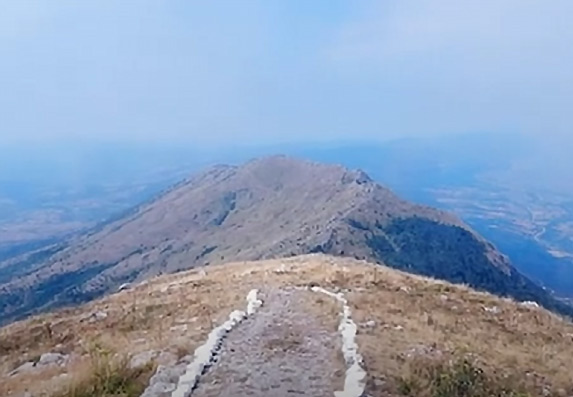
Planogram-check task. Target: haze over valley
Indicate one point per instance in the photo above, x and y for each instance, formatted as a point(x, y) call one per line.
point(278, 198)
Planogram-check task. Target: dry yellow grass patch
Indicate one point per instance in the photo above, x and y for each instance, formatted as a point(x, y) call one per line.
point(173, 313)
point(415, 318)
point(419, 319)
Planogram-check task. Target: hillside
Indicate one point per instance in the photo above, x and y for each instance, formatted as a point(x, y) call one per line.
point(267, 208)
point(411, 332)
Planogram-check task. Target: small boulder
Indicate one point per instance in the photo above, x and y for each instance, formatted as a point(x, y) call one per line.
point(492, 310)
point(370, 324)
point(529, 304)
point(94, 317)
point(159, 389)
point(52, 359)
point(99, 316)
point(24, 368)
point(142, 359)
point(281, 270)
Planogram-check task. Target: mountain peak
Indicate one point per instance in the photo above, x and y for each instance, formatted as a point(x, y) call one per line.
point(267, 208)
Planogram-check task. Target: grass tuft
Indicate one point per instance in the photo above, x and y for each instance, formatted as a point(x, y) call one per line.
point(459, 378)
point(108, 375)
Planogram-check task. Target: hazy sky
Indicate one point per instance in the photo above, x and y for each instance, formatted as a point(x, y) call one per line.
point(271, 71)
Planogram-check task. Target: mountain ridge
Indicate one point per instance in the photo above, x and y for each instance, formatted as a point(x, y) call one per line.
point(267, 208)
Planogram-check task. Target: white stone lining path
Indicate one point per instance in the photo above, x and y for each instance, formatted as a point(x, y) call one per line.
point(206, 353)
point(189, 373)
point(355, 381)
point(285, 350)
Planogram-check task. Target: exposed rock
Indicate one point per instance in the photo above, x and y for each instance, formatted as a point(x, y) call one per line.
point(46, 359)
point(179, 328)
point(530, 304)
point(142, 359)
point(424, 350)
point(159, 389)
point(165, 379)
point(94, 317)
point(167, 358)
point(26, 367)
point(492, 310)
point(52, 359)
point(370, 324)
point(281, 270)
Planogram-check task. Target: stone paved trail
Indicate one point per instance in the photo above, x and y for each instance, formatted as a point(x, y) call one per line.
point(280, 351)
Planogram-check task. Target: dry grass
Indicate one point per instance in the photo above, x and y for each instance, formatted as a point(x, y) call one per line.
point(169, 314)
point(461, 377)
point(416, 320)
point(107, 375)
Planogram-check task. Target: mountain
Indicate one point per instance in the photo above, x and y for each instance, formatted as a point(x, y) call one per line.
point(416, 337)
point(512, 189)
point(267, 208)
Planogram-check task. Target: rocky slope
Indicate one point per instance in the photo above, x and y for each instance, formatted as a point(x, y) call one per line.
point(267, 208)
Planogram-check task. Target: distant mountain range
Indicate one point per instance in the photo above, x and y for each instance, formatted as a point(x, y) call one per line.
point(267, 208)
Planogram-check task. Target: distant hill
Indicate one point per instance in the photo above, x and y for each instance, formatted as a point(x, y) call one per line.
point(267, 208)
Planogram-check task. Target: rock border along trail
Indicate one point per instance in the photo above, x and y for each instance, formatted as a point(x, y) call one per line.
point(286, 349)
point(280, 351)
point(204, 355)
point(355, 381)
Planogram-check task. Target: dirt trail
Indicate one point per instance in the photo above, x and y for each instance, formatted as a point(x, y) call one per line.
point(283, 350)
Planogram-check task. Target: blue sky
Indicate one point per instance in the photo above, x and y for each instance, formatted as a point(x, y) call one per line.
point(266, 71)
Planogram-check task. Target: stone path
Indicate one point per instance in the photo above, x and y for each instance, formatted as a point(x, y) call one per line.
point(281, 351)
